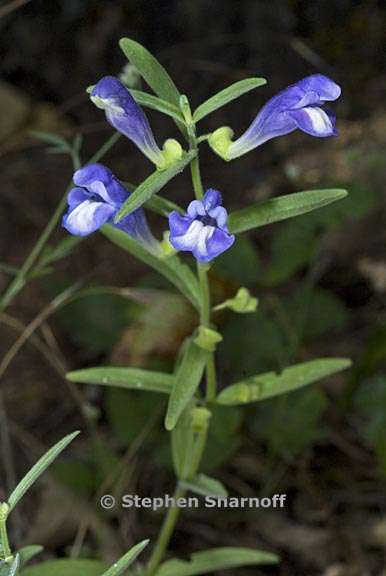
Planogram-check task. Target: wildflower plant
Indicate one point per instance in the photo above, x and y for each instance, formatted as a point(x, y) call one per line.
point(100, 200)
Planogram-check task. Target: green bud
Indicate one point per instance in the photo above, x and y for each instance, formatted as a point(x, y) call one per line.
point(200, 418)
point(166, 248)
point(220, 140)
point(235, 394)
point(243, 302)
point(171, 152)
point(207, 338)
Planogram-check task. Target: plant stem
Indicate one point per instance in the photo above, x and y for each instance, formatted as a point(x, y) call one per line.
point(6, 550)
point(173, 513)
point(21, 277)
point(165, 534)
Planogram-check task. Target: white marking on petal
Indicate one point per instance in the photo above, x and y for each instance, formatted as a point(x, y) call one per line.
point(204, 236)
point(319, 119)
point(191, 237)
point(107, 104)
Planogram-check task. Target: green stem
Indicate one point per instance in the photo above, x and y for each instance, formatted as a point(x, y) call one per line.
point(165, 534)
point(6, 550)
point(21, 277)
point(172, 515)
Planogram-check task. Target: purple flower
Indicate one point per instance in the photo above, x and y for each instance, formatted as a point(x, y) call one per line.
point(203, 230)
point(96, 199)
point(124, 114)
point(298, 106)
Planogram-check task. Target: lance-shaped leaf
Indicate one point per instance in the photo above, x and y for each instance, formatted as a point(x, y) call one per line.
point(216, 559)
point(187, 380)
point(151, 70)
point(270, 384)
point(38, 469)
point(182, 444)
point(130, 378)
point(170, 266)
point(126, 560)
point(155, 103)
point(153, 184)
point(281, 208)
point(205, 486)
point(227, 95)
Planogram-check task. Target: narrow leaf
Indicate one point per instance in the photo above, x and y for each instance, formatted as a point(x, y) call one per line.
point(28, 552)
point(130, 378)
point(281, 208)
point(216, 559)
point(186, 382)
point(227, 95)
point(153, 184)
point(271, 384)
point(38, 469)
point(126, 560)
point(205, 486)
point(155, 103)
point(182, 444)
point(151, 70)
point(171, 266)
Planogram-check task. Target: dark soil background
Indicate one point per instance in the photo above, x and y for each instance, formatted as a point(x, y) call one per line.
point(321, 281)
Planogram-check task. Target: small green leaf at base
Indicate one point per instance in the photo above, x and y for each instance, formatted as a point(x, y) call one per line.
point(205, 486)
point(38, 469)
point(271, 384)
point(126, 560)
point(216, 559)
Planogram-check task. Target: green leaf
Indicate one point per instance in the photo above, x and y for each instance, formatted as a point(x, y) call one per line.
point(216, 559)
point(271, 384)
point(187, 380)
point(7, 569)
point(162, 206)
point(151, 70)
point(205, 486)
point(150, 101)
point(153, 184)
point(130, 378)
point(171, 266)
point(38, 469)
point(28, 552)
point(227, 95)
point(282, 207)
point(126, 560)
point(182, 441)
point(66, 567)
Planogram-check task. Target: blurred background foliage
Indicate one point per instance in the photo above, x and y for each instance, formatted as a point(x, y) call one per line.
point(320, 280)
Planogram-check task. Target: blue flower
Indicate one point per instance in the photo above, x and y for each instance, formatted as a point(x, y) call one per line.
point(96, 199)
point(203, 230)
point(298, 106)
point(124, 114)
